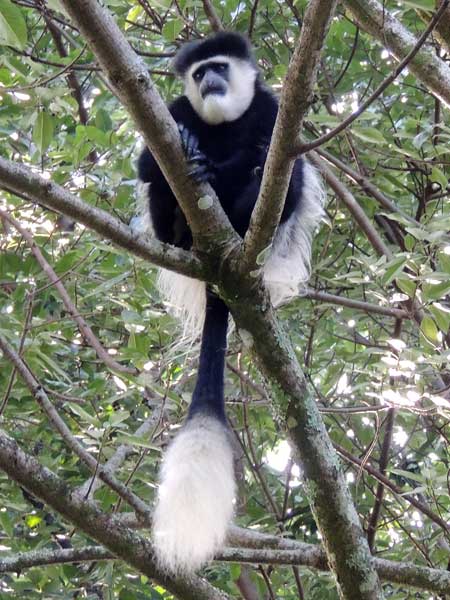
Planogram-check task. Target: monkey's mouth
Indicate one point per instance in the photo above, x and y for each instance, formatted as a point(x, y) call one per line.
point(211, 90)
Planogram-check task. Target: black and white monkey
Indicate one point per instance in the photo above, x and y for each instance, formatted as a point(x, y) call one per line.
point(226, 118)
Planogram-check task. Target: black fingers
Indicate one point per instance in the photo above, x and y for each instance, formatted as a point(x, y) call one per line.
point(202, 173)
point(202, 169)
point(188, 140)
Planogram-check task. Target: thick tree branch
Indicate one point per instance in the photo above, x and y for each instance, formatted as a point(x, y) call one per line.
point(294, 102)
point(28, 184)
point(443, 28)
point(283, 552)
point(373, 17)
point(121, 541)
point(344, 540)
point(130, 80)
point(213, 17)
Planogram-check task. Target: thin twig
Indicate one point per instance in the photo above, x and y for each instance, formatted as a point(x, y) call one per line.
point(396, 313)
point(84, 328)
point(213, 18)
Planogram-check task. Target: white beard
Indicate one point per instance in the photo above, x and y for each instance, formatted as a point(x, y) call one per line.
point(215, 109)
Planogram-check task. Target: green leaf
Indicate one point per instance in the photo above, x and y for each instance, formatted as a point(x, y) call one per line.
point(263, 256)
point(408, 286)
point(105, 286)
point(422, 4)
point(103, 120)
point(429, 329)
point(13, 30)
point(441, 315)
point(33, 521)
point(172, 28)
point(43, 131)
point(84, 415)
point(235, 571)
point(438, 177)
point(7, 524)
point(133, 15)
point(436, 291)
point(408, 475)
point(135, 440)
point(369, 134)
point(118, 417)
point(392, 269)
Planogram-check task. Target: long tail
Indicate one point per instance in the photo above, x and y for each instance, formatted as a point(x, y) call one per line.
point(197, 486)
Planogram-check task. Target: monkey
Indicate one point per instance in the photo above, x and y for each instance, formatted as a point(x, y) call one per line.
point(225, 118)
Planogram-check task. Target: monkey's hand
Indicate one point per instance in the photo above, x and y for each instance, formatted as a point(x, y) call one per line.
point(263, 148)
point(201, 167)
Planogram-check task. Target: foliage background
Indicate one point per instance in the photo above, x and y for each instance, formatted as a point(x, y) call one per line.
point(58, 115)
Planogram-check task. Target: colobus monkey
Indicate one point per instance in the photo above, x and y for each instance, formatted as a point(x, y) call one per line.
point(225, 118)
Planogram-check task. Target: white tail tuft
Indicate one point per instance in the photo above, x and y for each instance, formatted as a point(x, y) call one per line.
point(195, 499)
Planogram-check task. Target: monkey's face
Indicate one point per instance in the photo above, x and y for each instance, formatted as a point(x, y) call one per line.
point(220, 88)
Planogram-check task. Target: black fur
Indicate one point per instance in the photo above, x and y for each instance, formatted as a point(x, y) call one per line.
point(226, 43)
point(236, 152)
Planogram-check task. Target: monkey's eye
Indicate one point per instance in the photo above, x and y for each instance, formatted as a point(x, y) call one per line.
point(197, 75)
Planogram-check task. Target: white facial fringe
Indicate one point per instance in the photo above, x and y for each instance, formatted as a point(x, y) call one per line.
point(215, 109)
point(285, 272)
point(195, 498)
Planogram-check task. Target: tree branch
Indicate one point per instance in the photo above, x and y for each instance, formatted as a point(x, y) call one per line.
point(121, 541)
point(130, 81)
point(397, 313)
point(22, 180)
point(373, 17)
point(294, 102)
point(290, 552)
point(42, 399)
point(213, 17)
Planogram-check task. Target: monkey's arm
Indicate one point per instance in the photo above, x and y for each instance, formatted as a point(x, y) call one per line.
point(162, 202)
